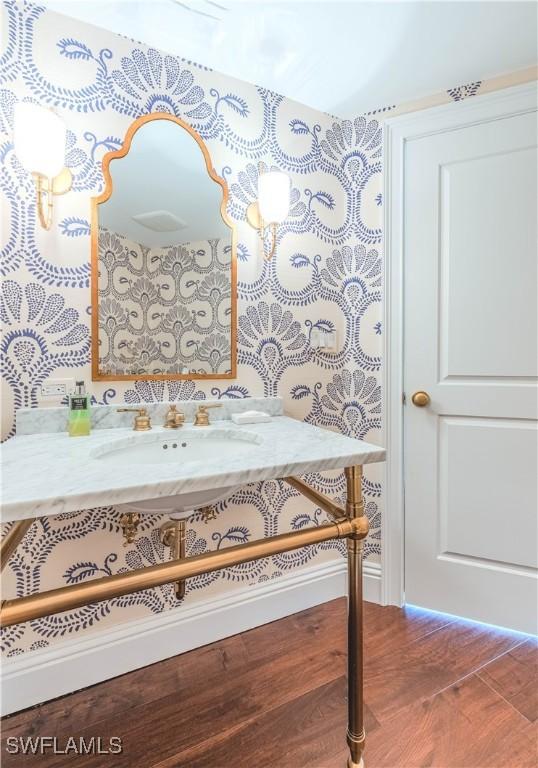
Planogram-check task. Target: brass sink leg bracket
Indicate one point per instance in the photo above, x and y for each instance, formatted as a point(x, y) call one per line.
point(208, 513)
point(350, 523)
point(129, 522)
point(173, 535)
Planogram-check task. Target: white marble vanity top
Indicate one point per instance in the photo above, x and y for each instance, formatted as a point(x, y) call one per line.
point(49, 473)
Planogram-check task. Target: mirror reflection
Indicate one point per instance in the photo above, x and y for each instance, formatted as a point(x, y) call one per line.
point(164, 259)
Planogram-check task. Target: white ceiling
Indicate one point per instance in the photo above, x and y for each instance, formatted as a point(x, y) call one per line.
point(340, 57)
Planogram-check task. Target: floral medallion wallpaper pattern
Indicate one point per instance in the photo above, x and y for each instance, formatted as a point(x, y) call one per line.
point(327, 273)
point(164, 310)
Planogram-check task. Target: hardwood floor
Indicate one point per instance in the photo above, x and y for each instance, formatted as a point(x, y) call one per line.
point(439, 692)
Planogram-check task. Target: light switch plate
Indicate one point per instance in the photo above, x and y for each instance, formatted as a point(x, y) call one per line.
point(324, 341)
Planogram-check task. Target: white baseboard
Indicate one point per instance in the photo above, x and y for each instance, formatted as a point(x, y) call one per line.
point(72, 664)
point(371, 584)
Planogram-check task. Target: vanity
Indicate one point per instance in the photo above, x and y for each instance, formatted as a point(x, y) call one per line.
point(164, 308)
point(174, 471)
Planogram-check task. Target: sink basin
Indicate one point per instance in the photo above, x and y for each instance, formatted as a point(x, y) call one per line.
point(183, 446)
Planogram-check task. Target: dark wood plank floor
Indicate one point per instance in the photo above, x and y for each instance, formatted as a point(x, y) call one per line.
point(439, 693)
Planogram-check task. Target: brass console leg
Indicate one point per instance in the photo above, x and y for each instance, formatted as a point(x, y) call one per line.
point(355, 728)
point(173, 535)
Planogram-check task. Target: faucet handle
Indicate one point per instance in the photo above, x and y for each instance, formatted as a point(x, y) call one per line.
point(174, 418)
point(202, 417)
point(142, 422)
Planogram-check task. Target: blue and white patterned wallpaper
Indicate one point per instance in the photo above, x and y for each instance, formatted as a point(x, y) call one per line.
point(327, 273)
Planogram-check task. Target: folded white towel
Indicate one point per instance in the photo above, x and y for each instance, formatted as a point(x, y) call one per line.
point(250, 417)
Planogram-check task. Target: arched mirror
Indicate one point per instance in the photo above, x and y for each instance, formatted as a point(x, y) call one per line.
point(163, 260)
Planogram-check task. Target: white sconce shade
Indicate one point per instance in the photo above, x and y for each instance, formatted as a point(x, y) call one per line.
point(39, 139)
point(274, 196)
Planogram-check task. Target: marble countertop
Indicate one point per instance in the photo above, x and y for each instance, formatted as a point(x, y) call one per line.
point(50, 473)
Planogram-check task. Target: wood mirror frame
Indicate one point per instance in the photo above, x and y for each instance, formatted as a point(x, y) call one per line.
point(97, 374)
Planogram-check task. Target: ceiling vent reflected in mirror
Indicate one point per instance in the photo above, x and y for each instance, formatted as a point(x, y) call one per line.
point(160, 221)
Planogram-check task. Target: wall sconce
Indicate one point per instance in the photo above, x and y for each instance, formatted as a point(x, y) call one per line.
point(39, 138)
point(272, 206)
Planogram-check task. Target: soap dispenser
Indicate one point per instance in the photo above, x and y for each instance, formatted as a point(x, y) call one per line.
point(79, 412)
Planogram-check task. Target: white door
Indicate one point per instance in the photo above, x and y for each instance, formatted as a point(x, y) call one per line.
point(470, 342)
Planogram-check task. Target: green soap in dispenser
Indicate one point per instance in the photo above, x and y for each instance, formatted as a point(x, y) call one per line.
point(79, 412)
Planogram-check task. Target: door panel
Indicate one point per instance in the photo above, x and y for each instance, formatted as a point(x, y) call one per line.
point(477, 493)
point(482, 310)
point(470, 341)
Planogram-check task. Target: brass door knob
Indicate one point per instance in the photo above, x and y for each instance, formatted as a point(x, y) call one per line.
point(420, 399)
